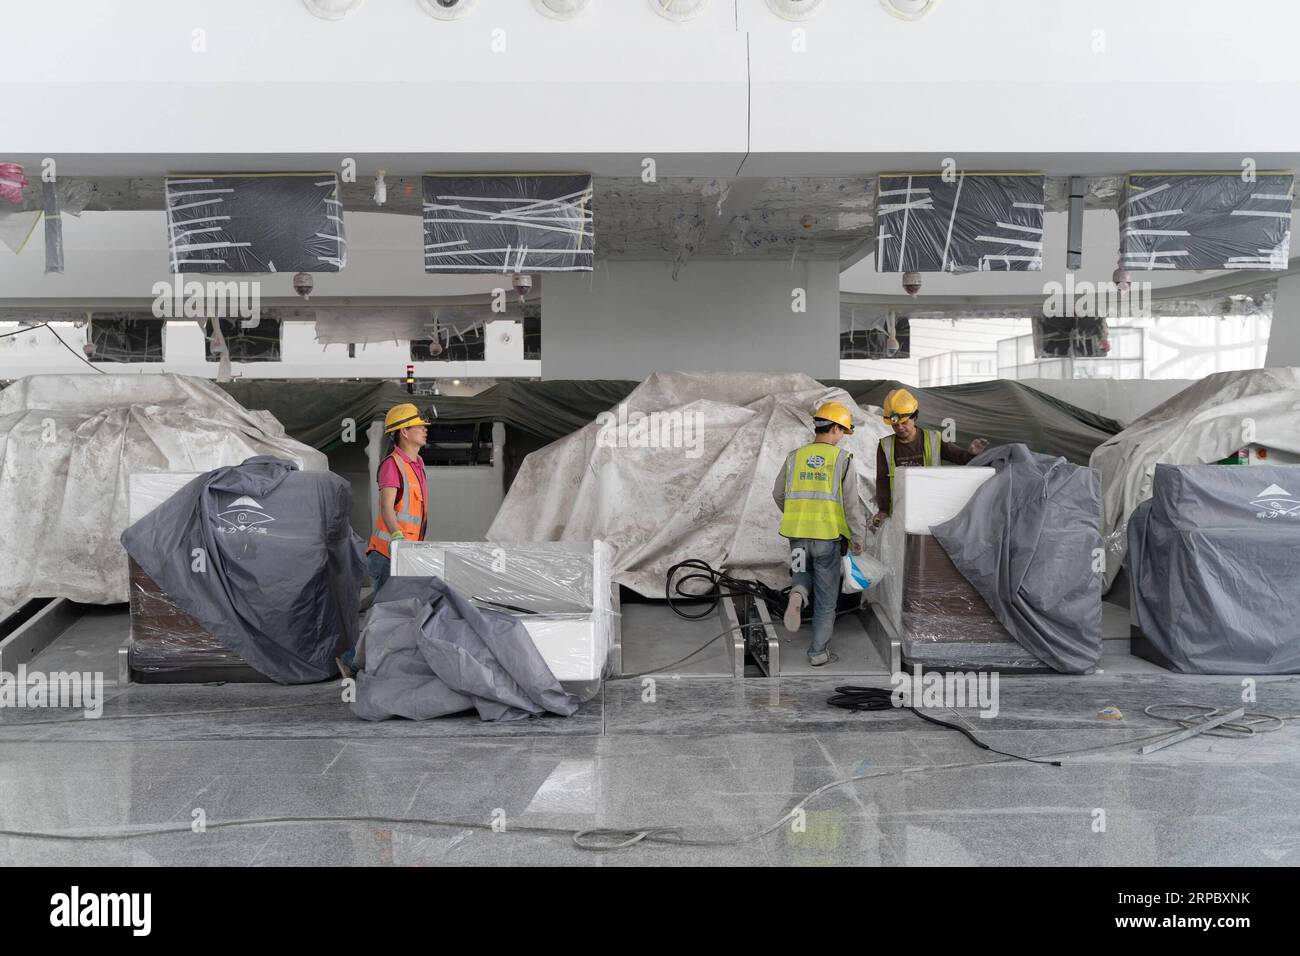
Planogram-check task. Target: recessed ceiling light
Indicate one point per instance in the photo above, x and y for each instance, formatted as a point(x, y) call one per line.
point(679, 10)
point(448, 9)
point(794, 9)
point(332, 9)
point(561, 9)
point(909, 9)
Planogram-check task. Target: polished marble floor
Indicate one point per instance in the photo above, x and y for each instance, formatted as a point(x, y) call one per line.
point(723, 760)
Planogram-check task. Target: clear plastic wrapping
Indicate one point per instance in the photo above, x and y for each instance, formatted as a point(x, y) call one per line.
point(963, 222)
point(561, 590)
point(503, 224)
point(1206, 221)
point(165, 640)
point(290, 222)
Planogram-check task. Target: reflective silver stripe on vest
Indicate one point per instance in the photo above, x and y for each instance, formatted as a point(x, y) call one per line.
point(837, 480)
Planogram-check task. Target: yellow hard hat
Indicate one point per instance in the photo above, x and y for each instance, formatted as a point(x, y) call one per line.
point(402, 416)
point(899, 404)
point(838, 413)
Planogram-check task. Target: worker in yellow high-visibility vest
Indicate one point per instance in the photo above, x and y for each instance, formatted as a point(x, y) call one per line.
point(911, 445)
point(822, 515)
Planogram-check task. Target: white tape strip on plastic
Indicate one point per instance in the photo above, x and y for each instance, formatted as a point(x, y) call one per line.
point(1260, 212)
point(1147, 192)
point(1010, 242)
point(1151, 215)
point(1012, 225)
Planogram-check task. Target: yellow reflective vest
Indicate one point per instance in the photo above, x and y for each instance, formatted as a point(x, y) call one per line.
point(931, 444)
point(814, 493)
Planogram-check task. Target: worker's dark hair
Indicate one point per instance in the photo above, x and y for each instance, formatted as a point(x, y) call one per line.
point(821, 426)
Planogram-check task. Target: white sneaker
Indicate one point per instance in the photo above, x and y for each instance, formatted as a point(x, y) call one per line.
point(791, 619)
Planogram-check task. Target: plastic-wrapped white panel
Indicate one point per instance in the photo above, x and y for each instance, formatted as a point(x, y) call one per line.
point(929, 496)
point(570, 644)
point(147, 490)
point(560, 590)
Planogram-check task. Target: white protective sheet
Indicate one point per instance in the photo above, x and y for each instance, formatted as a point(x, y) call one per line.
point(707, 496)
point(68, 446)
point(1204, 423)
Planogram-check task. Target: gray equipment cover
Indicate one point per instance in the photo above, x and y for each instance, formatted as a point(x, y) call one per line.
point(283, 566)
point(428, 652)
point(1026, 541)
point(1214, 555)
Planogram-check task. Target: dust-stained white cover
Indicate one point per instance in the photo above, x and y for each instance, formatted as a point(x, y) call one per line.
point(707, 494)
point(68, 446)
point(1203, 423)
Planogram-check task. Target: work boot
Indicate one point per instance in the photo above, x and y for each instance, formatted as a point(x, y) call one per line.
point(792, 610)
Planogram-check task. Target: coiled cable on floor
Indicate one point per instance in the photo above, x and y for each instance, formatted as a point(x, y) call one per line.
point(720, 585)
point(1248, 726)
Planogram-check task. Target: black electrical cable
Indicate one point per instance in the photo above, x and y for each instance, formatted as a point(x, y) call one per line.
point(853, 697)
point(28, 328)
point(720, 585)
point(74, 351)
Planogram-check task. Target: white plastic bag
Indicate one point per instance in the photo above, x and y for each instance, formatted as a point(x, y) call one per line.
point(858, 572)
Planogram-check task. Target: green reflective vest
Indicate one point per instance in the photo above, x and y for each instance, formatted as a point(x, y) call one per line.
point(814, 493)
point(931, 440)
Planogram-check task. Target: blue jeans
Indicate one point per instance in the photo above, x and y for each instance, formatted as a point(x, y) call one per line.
point(379, 568)
point(820, 572)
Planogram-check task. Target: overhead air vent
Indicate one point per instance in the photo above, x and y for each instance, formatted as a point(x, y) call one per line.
point(507, 224)
point(283, 222)
point(960, 222)
point(1214, 221)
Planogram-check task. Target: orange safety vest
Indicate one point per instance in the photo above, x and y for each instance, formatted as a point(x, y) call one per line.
point(412, 517)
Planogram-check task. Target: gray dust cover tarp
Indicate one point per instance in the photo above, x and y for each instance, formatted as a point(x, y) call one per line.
point(428, 652)
point(1027, 541)
point(262, 555)
point(1214, 555)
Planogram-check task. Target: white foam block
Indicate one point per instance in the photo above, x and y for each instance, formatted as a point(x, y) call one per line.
point(929, 496)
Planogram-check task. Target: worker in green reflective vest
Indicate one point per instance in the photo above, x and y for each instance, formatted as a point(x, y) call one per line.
point(911, 445)
point(822, 516)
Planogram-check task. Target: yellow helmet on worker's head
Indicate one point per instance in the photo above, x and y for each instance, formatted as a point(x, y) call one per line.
point(402, 416)
point(899, 405)
point(836, 412)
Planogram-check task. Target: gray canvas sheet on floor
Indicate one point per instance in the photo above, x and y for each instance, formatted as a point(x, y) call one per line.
point(1027, 541)
point(262, 555)
point(426, 651)
point(1214, 555)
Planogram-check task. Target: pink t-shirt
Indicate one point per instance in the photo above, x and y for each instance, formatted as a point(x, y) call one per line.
point(390, 477)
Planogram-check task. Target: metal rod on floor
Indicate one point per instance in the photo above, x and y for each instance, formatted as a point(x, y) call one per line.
point(1192, 731)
